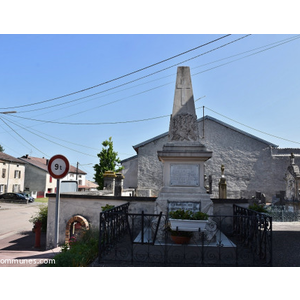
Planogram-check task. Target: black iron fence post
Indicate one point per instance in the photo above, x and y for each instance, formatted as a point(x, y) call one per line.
point(110, 227)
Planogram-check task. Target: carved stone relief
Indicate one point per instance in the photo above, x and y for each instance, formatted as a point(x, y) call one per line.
point(183, 127)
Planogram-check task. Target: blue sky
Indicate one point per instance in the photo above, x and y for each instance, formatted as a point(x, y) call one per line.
point(260, 90)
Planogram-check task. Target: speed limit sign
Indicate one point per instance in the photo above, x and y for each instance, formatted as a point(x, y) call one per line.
point(58, 166)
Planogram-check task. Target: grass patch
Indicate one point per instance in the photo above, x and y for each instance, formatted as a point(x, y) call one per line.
point(41, 200)
point(80, 253)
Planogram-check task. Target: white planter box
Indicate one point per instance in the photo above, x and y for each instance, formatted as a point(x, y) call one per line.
point(187, 225)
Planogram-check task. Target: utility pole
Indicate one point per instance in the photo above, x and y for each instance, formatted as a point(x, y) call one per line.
point(77, 171)
point(203, 124)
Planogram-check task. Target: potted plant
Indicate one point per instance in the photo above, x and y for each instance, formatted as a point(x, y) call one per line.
point(181, 237)
point(186, 220)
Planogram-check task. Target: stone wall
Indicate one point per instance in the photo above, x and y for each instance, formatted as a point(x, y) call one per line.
point(150, 169)
point(130, 172)
point(88, 207)
point(35, 179)
point(248, 162)
point(251, 164)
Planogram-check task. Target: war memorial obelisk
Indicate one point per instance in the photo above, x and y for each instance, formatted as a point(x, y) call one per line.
point(184, 155)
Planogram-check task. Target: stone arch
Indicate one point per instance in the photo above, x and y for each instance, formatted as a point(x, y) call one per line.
point(84, 224)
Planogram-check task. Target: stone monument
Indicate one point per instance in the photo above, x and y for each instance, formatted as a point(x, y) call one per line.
point(222, 185)
point(292, 179)
point(184, 155)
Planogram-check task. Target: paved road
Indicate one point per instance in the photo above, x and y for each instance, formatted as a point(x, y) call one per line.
point(17, 239)
point(15, 217)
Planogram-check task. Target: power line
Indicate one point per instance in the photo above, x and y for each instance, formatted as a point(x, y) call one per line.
point(136, 80)
point(273, 45)
point(7, 131)
point(94, 123)
point(272, 135)
point(195, 74)
point(23, 138)
point(45, 139)
point(140, 78)
point(120, 77)
point(54, 137)
point(277, 45)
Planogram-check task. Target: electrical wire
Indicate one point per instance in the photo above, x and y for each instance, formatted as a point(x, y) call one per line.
point(263, 50)
point(260, 131)
point(23, 138)
point(54, 137)
point(118, 100)
point(140, 78)
point(276, 44)
point(92, 123)
point(132, 121)
point(120, 77)
point(42, 137)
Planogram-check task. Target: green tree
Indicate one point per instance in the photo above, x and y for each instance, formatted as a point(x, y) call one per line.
point(108, 161)
point(1, 149)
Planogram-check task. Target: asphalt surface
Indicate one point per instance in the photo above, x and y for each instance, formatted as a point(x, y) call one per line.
point(17, 240)
point(286, 244)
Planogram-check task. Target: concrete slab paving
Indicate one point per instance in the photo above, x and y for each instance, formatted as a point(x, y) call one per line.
point(17, 250)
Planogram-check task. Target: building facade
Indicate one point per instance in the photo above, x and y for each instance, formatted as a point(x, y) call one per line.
point(251, 164)
point(39, 182)
point(12, 172)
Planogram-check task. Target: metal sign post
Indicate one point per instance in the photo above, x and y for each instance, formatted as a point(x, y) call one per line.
point(58, 168)
point(57, 206)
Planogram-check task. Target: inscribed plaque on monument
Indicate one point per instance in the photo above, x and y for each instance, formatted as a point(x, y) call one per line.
point(184, 175)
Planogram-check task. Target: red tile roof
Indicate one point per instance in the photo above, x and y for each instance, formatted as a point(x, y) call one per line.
point(9, 158)
point(42, 163)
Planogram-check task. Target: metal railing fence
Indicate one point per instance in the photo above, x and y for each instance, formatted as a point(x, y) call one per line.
point(255, 230)
point(242, 239)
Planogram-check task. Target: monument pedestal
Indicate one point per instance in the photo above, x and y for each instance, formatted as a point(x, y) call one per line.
point(183, 175)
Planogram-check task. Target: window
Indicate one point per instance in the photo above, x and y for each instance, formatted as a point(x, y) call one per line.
point(2, 188)
point(3, 173)
point(17, 174)
point(16, 188)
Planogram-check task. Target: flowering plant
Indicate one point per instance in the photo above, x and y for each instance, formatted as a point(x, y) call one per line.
point(188, 215)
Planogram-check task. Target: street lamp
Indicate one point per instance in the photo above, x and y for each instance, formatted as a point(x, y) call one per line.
point(8, 112)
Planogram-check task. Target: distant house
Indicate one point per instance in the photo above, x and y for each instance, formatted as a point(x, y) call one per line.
point(39, 182)
point(12, 172)
point(89, 186)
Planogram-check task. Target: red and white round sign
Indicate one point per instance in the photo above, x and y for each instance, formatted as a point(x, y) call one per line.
point(58, 166)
